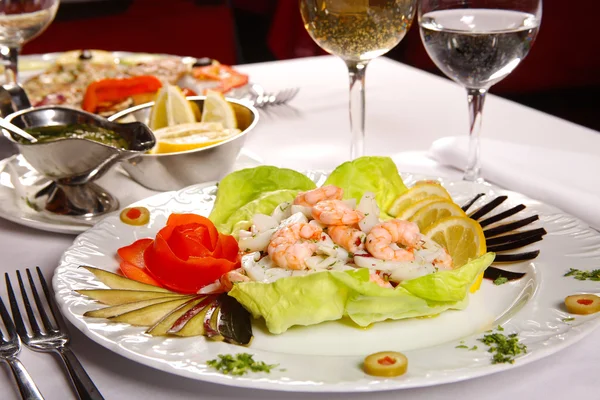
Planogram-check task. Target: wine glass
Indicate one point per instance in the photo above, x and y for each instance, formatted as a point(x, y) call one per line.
point(357, 31)
point(21, 21)
point(478, 43)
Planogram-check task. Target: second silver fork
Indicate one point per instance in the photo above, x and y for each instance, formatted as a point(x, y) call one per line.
point(49, 337)
point(9, 349)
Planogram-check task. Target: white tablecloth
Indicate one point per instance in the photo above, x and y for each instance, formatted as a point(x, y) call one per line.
point(406, 111)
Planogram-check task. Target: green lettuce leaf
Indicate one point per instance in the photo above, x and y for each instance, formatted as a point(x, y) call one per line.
point(330, 295)
point(265, 204)
point(241, 187)
point(374, 174)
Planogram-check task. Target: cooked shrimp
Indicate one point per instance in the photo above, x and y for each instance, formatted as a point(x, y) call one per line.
point(382, 237)
point(375, 278)
point(349, 238)
point(231, 277)
point(291, 246)
point(314, 196)
point(335, 212)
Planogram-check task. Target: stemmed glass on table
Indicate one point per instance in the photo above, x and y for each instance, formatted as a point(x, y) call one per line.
point(357, 31)
point(21, 21)
point(477, 43)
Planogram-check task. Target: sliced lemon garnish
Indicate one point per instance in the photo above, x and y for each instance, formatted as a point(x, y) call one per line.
point(170, 108)
point(418, 192)
point(184, 137)
point(434, 211)
point(217, 109)
point(409, 211)
point(462, 237)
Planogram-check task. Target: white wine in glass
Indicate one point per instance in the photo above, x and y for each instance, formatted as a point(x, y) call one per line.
point(357, 31)
point(477, 44)
point(21, 21)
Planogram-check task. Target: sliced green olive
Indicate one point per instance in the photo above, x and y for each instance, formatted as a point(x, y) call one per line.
point(582, 304)
point(135, 216)
point(386, 363)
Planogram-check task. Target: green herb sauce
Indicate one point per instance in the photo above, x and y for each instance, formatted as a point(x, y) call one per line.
point(82, 131)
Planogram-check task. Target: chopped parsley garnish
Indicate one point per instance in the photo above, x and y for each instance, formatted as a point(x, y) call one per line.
point(593, 275)
point(462, 346)
point(350, 254)
point(501, 280)
point(239, 364)
point(568, 319)
point(504, 348)
point(473, 348)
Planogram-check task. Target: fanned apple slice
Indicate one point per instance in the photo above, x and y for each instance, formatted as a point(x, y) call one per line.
point(211, 321)
point(150, 315)
point(115, 297)
point(115, 281)
point(109, 312)
point(192, 322)
point(162, 327)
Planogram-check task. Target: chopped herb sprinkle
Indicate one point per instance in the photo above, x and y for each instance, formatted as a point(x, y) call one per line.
point(568, 319)
point(239, 364)
point(593, 275)
point(473, 348)
point(504, 348)
point(501, 280)
point(462, 346)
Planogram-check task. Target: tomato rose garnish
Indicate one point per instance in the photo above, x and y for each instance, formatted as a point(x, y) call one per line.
point(186, 255)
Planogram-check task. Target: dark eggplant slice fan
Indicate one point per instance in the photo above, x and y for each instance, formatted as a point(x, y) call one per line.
point(504, 237)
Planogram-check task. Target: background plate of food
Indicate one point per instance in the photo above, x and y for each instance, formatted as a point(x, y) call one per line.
point(121, 79)
point(314, 328)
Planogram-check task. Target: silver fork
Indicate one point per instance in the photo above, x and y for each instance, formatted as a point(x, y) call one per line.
point(9, 349)
point(51, 337)
point(264, 99)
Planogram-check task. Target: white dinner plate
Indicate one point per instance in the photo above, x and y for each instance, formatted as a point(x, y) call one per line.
point(327, 357)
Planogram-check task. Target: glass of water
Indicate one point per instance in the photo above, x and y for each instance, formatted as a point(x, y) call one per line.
point(21, 21)
point(478, 43)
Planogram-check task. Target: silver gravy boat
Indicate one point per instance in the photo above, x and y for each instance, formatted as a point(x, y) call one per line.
point(72, 164)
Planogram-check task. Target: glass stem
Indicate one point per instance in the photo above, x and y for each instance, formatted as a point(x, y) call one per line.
point(357, 71)
point(8, 58)
point(475, 98)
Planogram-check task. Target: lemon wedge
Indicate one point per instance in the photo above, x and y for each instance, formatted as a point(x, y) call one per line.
point(435, 210)
point(461, 236)
point(217, 109)
point(418, 192)
point(171, 108)
point(184, 137)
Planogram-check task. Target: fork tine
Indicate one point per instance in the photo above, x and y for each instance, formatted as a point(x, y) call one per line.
point(14, 307)
point(62, 326)
point(10, 327)
point(30, 315)
point(38, 301)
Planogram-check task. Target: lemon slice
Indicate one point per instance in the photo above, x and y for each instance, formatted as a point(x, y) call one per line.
point(435, 210)
point(217, 109)
point(418, 192)
point(170, 108)
point(462, 237)
point(184, 137)
point(409, 211)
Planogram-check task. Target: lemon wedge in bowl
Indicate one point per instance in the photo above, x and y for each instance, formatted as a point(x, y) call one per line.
point(184, 137)
point(171, 108)
point(217, 109)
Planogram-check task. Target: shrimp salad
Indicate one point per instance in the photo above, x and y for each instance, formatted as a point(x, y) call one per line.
point(320, 231)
